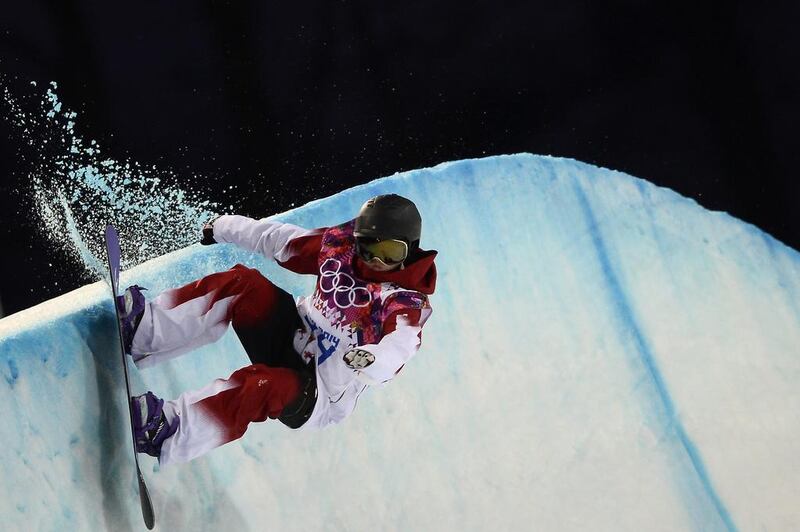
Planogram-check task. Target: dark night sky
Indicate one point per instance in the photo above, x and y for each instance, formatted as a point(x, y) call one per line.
point(305, 100)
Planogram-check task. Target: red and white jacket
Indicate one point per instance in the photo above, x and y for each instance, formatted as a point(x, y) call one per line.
point(352, 306)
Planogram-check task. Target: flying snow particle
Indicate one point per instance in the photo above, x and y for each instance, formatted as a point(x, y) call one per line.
point(77, 192)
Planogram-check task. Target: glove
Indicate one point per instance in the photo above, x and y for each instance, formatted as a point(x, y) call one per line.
point(358, 358)
point(208, 233)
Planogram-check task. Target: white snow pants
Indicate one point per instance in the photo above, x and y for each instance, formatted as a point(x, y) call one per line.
point(182, 319)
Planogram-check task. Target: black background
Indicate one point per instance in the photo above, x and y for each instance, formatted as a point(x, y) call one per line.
point(295, 102)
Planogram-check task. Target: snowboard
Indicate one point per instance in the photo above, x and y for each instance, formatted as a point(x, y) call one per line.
point(113, 253)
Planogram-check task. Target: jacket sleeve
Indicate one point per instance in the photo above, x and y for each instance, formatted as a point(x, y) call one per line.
point(401, 341)
point(292, 247)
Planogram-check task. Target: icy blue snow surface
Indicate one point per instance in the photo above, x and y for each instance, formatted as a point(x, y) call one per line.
point(604, 354)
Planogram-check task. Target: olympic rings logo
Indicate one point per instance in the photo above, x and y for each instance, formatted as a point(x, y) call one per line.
point(343, 287)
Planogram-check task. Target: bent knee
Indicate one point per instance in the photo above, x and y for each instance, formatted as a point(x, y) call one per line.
point(252, 279)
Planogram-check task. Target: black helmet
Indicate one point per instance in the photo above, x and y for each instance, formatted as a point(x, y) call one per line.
point(390, 216)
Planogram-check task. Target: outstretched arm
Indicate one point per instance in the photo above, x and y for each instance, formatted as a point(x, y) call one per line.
point(291, 246)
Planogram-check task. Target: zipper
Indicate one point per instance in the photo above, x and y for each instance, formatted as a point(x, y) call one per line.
point(338, 398)
point(341, 395)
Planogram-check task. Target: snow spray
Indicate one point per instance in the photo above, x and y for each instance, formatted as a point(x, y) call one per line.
point(77, 191)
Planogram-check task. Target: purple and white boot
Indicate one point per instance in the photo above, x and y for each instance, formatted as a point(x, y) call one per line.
point(131, 308)
point(150, 425)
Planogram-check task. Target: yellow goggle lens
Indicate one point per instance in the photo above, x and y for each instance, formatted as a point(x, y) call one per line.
point(388, 251)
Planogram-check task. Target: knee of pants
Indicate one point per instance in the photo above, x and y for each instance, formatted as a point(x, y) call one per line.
point(251, 278)
point(265, 391)
point(257, 299)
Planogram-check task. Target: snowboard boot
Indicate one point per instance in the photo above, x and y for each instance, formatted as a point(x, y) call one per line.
point(131, 309)
point(150, 425)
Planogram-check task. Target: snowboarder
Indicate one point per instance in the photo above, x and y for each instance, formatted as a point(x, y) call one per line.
point(311, 359)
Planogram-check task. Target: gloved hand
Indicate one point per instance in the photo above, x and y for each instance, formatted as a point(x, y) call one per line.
point(358, 358)
point(208, 233)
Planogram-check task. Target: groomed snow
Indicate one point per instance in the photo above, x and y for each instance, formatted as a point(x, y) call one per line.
point(604, 354)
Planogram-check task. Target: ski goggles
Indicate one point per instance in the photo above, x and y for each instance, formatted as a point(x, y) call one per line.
point(389, 252)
